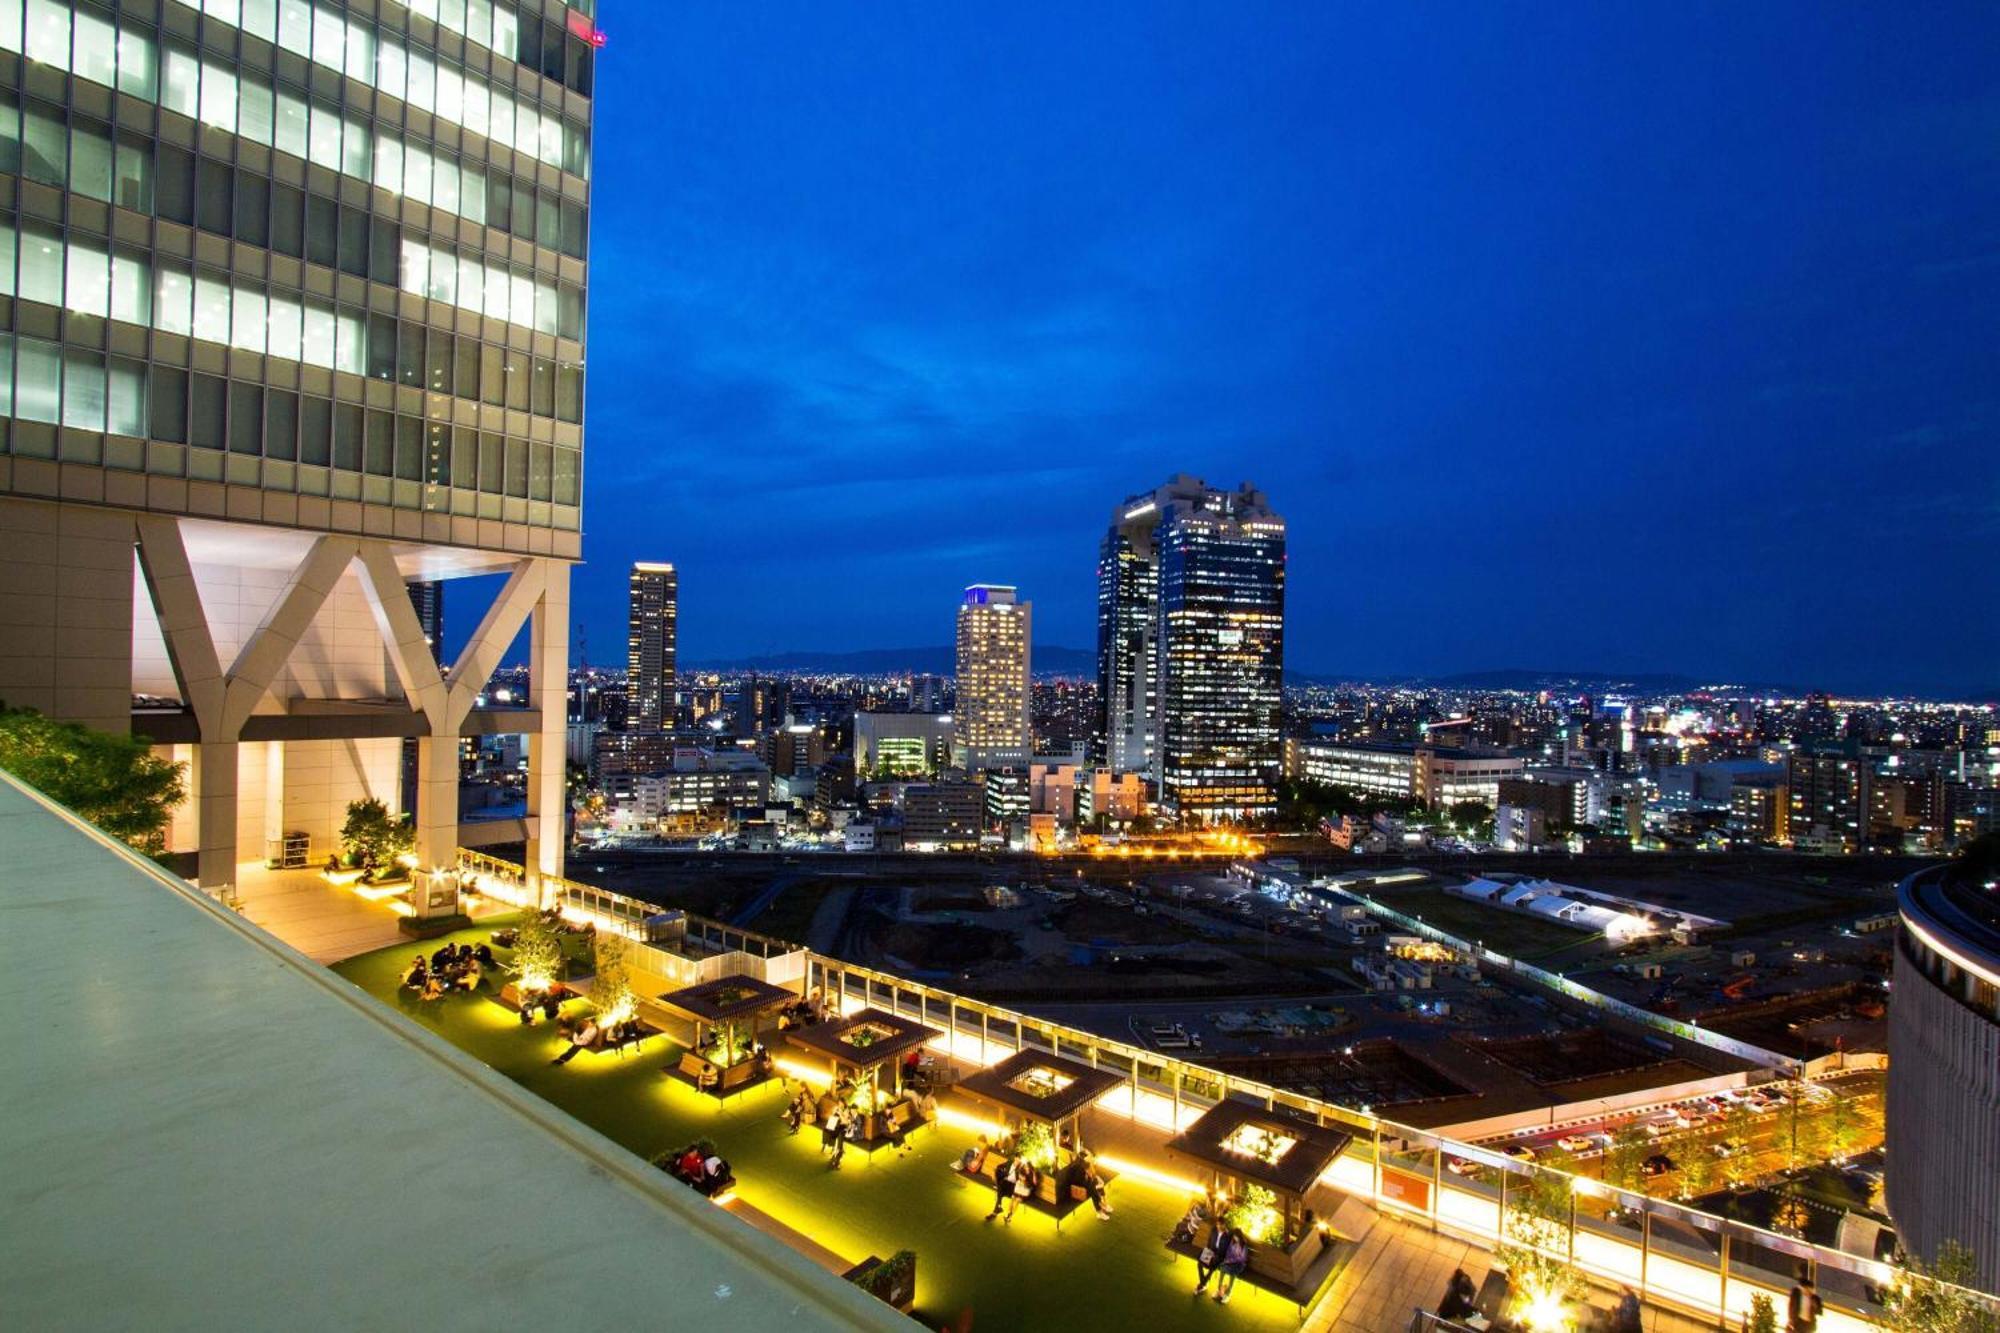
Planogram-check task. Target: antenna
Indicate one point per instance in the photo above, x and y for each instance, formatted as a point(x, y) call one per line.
point(582, 649)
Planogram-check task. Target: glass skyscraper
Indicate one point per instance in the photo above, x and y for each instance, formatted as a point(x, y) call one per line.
point(651, 638)
point(1191, 633)
point(294, 299)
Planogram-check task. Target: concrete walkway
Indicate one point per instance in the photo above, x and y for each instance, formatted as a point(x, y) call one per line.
point(323, 922)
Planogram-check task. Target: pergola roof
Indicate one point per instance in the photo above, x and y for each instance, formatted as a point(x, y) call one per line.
point(1312, 1151)
point(727, 998)
point(997, 1084)
point(892, 1037)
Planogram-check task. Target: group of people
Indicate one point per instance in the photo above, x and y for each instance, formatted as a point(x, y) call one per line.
point(452, 967)
point(801, 1013)
point(1015, 1178)
point(590, 1035)
point(699, 1166)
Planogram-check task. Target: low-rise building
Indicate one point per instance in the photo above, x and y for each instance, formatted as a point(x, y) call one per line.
point(943, 815)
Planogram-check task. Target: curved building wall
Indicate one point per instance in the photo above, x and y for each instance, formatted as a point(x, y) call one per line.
point(1944, 1085)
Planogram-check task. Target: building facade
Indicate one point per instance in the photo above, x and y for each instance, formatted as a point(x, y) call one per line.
point(991, 715)
point(1191, 648)
point(650, 640)
point(1944, 1071)
point(296, 298)
point(893, 745)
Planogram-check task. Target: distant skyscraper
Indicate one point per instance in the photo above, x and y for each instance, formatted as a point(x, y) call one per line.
point(927, 693)
point(991, 715)
point(649, 683)
point(1191, 629)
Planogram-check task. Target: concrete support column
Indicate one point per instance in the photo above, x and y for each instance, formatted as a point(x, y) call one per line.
point(437, 801)
point(548, 667)
point(215, 796)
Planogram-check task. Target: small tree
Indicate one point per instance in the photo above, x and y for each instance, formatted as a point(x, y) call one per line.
point(115, 782)
point(1697, 1172)
point(538, 955)
point(1624, 1163)
point(372, 837)
point(1933, 1298)
point(611, 980)
point(1535, 1240)
point(1843, 1126)
point(1763, 1315)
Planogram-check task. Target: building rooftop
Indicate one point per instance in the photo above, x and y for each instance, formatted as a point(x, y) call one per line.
point(240, 1135)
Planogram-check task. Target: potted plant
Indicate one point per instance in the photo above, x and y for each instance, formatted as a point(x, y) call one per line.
point(892, 1280)
point(1763, 1316)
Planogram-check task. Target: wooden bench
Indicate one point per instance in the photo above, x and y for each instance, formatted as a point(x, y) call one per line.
point(1302, 1293)
point(1050, 1196)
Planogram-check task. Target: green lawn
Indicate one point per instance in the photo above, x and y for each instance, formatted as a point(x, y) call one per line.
point(1025, 1276)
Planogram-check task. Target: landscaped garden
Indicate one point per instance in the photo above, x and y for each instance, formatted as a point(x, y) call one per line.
point(1024, 1275)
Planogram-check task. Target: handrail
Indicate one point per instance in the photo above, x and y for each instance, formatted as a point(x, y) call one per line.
point(1183, 1083)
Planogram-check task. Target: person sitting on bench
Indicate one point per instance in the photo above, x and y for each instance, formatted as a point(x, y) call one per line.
point(585, 1038)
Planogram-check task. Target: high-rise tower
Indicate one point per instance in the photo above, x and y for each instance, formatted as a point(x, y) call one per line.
point(297, 320)
point(991, 716)
point(650, 646)
point(1191, 609)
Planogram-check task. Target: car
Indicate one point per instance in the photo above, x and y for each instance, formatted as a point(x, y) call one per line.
point(1520, 1152)
point(1657, 1165)
point(1458, 1166)
point(1726, 1148)
point(1576, 1143)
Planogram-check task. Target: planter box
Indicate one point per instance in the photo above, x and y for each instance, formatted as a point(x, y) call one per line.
point(902, 1293)
point(1287, 1267)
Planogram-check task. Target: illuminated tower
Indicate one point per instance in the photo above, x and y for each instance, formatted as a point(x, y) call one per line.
point(991, 716)
point(650, 640)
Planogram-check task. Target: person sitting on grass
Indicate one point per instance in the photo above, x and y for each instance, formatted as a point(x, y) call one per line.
point(415, 974)
point(583, 1039)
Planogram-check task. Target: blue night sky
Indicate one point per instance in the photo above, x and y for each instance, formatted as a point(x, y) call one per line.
point(1609, 337)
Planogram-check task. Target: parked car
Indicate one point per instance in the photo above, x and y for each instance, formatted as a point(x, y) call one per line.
point(1726, 1148)
point(1520, 1152)
point(1458, 1166)
point(1657, 1165)
point(1576, 1143)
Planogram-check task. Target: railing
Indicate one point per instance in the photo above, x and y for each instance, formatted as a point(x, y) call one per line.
point(1672, 1255)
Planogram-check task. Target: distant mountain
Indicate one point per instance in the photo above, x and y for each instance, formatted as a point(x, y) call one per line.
point(891, 661)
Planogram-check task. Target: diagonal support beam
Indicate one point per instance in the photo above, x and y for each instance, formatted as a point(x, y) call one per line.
point(503, 620)
point(287, 622)
point(409, 654)
point(176, 599)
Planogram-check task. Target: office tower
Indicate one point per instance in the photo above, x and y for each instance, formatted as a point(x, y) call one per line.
point(1191, 647)
point(649, 672)
point(991, 716)
point(297, 321)
point(927, 693)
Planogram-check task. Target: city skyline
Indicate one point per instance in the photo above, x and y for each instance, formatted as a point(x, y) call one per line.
point(1620, 360)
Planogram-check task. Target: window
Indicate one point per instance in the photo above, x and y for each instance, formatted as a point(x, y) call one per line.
point(88, 290)
point(213, 192)
point(381, 458)
point(288, 210)
point(382, 347)
point(464, 458)
point(409, 449)
point(48, 34)
point(539, 465)
point(323, 136)
point(569, 393)
point(247, 319)
point(173, 305)
point(182, 92)
point(492, 478)
point(138, 72)
point(218, 96)
point(517, 469)
point(131, 287)
point(315, 431)
point(290, 130)
point(8, 247)
point(211, 309)
point(295, 26)
point(353, 242)
point(492, 383)
point(169, 397)
point(253, 209)
point(96, 49)
point(10, 134)
point(287, 328)
point(208, 397)
point(83, 389)
point(41, 265)
point(317, 340)
point(322, 230)
point(127, 399)
point(174, 184)
point(38, 380)
point(348, 336)
point(569, 475)
point(44, 144)
point(347, 436)
point(410, 352)
point(246, 419)
point(466, 357)
point(132, 174)
point(257, 112)
point(90, 160)
point(437, 361)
